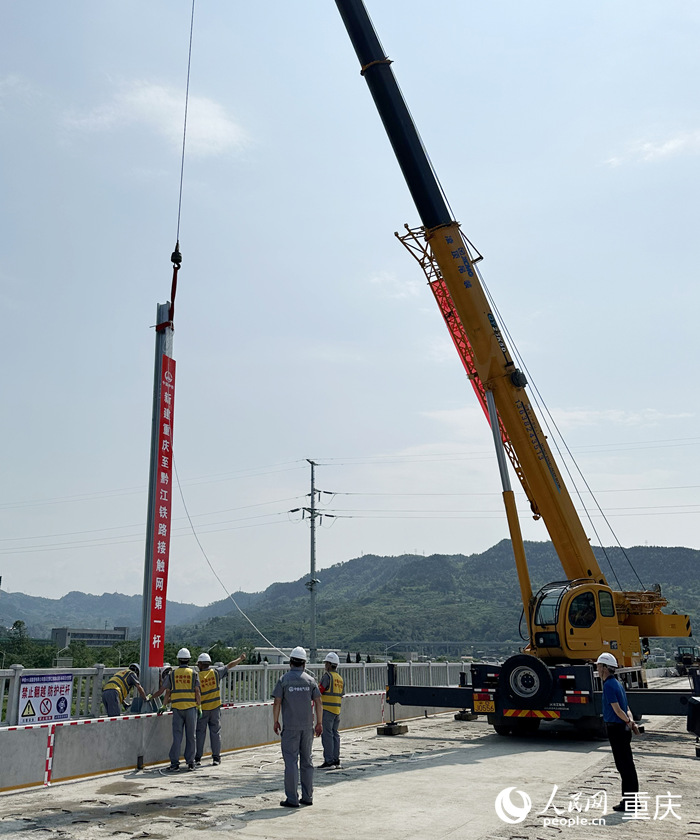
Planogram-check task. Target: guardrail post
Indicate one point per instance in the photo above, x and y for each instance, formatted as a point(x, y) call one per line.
point(364, 678)
point(13, 695)
point(410, 672)
point(264, 690)
point(97, 690)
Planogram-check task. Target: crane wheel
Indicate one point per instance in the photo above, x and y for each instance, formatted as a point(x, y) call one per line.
point(525, 681)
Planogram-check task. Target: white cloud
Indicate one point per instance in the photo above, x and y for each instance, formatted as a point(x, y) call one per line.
point(392, 287)
point(14, 86)
point(464, 423)
point(210, 131)
point(615, 417)
point(645, 151)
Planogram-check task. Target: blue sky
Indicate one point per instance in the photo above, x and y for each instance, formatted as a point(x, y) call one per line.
point(567, 139)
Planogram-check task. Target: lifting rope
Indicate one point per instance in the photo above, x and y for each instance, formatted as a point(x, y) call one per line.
point(176, 256)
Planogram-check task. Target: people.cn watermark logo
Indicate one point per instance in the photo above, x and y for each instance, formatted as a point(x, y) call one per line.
point(588, 809)
point(509, 811)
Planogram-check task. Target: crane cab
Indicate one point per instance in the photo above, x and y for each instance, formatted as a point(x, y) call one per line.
point(576, 621)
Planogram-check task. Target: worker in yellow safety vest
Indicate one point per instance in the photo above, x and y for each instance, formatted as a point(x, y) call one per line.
point(209, 682)
point(117, 689)
point(331, 686)
point(184, 694)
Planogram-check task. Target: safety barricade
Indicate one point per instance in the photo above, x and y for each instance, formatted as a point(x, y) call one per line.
point(45, 753)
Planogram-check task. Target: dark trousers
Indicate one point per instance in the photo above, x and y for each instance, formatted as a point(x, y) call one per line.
point(111, 702)
point(620, 739)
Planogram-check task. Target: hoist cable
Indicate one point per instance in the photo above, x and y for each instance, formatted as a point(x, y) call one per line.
point(184, 128)
point(213, 570)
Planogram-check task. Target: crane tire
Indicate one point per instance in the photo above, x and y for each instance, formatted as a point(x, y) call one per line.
point(525, 681)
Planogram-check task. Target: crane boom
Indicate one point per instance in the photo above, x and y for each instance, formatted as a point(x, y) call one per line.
point(491, 358)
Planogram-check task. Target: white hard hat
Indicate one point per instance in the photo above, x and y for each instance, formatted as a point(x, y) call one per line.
point(332, 658)
point(298, 653)
point(607, 659)
point(204, 657)
point(183, 653)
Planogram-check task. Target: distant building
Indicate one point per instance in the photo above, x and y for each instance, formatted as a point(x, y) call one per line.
point(63, 636)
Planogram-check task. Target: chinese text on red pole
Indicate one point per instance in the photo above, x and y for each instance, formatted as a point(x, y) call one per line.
point(162, 501)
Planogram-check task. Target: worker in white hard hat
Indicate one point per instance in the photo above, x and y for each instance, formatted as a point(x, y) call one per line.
point(619, 725)
point(296, 696)
point(183, 691)
point(117, 689)
point(331, 687)
point(210, 686)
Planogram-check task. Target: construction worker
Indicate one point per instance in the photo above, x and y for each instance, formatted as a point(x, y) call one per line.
point(294, 695)
point(209, 681)
point(118, 687)
point(331, 687)
point(619, 725)
point(184, 694)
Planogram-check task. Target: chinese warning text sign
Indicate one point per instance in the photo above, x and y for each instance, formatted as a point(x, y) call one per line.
point(45, 697)
point(162, 501)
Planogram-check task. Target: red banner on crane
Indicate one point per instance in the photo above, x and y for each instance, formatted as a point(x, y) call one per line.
point(162, 521)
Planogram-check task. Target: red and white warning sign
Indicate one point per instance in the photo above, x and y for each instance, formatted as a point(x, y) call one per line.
point(45, 697)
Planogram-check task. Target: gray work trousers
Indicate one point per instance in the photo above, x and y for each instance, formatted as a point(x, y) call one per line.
point(183, 719)
point(296, 751)
point(212, 720)
point(111, 702)
point(330, 738)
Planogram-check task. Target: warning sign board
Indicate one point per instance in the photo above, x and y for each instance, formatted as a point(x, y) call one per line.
point(28, 710)
point(45, 697)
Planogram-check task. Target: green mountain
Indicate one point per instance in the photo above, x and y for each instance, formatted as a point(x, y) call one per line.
point(76, 609)
point(372, 601)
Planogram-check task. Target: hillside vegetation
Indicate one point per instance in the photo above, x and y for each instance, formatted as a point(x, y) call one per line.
point(372, 601)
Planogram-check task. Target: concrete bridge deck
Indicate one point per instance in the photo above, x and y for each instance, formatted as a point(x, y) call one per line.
point(440, 780)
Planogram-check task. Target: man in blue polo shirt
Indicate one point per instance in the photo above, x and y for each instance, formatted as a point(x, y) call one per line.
point(619, 725)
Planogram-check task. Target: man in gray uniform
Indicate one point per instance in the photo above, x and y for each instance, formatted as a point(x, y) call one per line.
point(293, 696)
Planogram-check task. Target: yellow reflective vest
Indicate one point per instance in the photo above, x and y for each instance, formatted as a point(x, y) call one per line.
point(332, 696)
point(119, 684)
point(182, 695)
point(209, 687)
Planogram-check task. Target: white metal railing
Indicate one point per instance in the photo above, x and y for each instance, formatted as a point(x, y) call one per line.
point(242, 684)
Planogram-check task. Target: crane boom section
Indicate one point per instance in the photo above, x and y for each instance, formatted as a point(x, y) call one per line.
point(492, 360)
point(499, 374)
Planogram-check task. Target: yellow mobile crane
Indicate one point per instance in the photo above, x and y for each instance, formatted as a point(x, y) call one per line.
point(569, 622)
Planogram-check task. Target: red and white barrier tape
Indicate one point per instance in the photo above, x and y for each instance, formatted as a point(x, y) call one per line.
point(49, 756)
